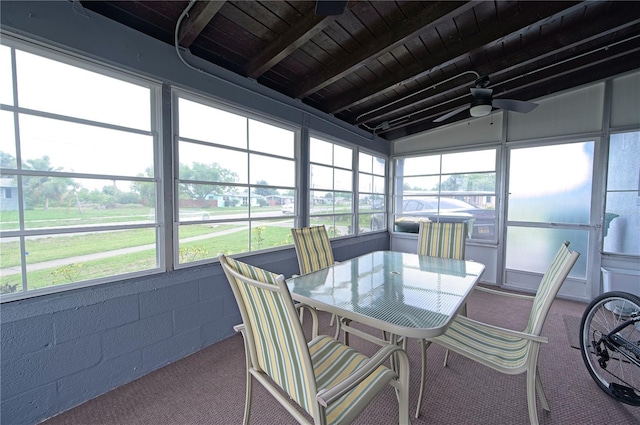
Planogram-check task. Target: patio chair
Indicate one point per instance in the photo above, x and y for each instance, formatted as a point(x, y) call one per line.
point(509, 351)
point(443, 240)
point(329, 380)
point(314, 252)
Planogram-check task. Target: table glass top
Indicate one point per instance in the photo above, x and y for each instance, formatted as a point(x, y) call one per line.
point(391, 290)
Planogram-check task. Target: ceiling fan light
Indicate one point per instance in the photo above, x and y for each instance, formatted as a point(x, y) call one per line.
point(480, 110)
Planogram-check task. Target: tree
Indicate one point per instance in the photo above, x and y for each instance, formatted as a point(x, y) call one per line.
point(40, 190)
point(7, 160)
point(204, 172)
point(146, 190)
point(264, 191)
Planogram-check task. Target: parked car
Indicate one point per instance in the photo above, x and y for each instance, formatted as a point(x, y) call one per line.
point(414, 210)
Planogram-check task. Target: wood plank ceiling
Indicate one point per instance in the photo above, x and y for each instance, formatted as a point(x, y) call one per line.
point(392, 67)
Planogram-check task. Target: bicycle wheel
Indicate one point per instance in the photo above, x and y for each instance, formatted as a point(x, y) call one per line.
point(616, 369)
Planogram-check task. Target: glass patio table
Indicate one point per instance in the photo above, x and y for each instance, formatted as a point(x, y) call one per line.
point(403, 294)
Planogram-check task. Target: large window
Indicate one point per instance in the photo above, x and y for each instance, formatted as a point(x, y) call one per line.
point(78, 173)
point(331, 187)
point(371, 193)
point(236, 181)
point(449, 187)
point(622, 216)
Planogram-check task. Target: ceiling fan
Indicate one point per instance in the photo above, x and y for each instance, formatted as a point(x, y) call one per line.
point(483, 102)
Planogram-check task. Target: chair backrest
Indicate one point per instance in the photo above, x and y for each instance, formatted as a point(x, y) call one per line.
point(550, 284)
point(445, 240)
point(273, 333)
point(312, 248)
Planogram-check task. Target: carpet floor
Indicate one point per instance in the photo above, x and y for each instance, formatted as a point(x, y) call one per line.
point(208, 387)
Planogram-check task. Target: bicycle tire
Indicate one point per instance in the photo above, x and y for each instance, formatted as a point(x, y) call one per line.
point(620, 379)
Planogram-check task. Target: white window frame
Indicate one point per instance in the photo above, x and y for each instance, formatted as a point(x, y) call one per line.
point(155, 90)
point(354, 182)
point(178, 93)
point(398, 194)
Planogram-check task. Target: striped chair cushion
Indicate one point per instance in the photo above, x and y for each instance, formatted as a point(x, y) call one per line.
point(489, 344)
point(312, 248)
point(278, 350)
point(549, 287)
point(445, 240)
point(332, 362)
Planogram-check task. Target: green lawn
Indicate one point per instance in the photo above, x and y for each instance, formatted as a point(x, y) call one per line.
point(193, 245)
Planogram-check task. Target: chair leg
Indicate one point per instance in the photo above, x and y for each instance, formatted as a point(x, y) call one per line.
point(403, 387)
point(540, 393)
point(333, 319)
point(423, 376)
point(531, 397)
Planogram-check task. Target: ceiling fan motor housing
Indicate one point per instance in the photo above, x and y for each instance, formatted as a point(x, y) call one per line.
point(480, 106)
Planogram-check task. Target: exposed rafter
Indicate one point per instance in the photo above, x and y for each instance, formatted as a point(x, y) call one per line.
point(429, 17)
point(199, 17)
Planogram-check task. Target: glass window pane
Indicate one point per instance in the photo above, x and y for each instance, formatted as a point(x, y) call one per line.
point(270, 202)
point(622, 223)
point(321, 152)
point(561, 193)
point(60, 202)
point(365, 162)
point(52, 86)
point(624, 162)
point(9, 203)
point(271, 139)
point(365, 182)
point(533, 249)
point(209, 163)
point(7, 141)
point(379, 166)
point(81, 148)
point(466, 162)
point(342, 157)
point(469, 183)
point(378, 184)
point(212, 202)
point(321, 202)
point(203, 241)
point(202, 122)
point(321, 177)
point(6, 80)
point(10, 265)
point(68, 258)
point(266, 170)
point(413, 185)
point(267, 234)
point(343, 180)
point(418, 166)
point(371, 222)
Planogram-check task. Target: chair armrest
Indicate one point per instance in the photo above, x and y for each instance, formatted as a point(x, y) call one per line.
point(505, 294)
point(326, 396)
point(524, 335)
point(239, 328)
point(314, 316)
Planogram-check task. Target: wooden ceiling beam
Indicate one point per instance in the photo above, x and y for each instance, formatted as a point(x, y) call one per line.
point(288, 42)
point(431, 16)
point(199, 16)
point(623, 59)
point(537, 12)
point(558, 44)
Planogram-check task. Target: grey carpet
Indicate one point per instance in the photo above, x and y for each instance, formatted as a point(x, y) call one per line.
point(572, 325)
point(208, 387)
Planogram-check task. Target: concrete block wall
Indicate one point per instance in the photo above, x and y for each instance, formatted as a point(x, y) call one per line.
point(58, 351)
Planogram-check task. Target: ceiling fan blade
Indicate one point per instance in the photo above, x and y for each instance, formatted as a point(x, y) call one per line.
point(514, 105)
point(452, 113)
point(480, 93)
